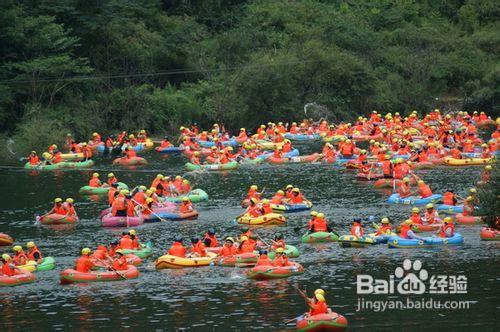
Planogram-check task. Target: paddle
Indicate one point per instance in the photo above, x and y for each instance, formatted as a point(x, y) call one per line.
point(263, 241)
point(293, 319)
point(111, 268)
point(152, 212)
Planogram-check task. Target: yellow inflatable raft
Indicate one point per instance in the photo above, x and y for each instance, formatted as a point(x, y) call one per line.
point(267, 219)
point(466, 161)
point(175, 262)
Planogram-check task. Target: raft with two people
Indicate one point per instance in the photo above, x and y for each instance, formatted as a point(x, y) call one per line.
point(61, 165)
point(433, 241)
point(212, 167)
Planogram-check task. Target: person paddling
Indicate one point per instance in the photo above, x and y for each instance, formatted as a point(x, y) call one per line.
point(34, 254)
point(8, 268)
point(84, 263)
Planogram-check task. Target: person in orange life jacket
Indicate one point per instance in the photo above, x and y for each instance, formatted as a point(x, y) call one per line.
point(253, 193)
point(406, 231)
point(228, 249)
point(486, 176)
point(185, 187)
point(278, 197)
point(347, 149)
point(365, 168)
point(297, 197)
point(317, 304)
point(468, 206)
point(75, 148)
point(288, 191)
point(111, 179)
point(486, 151)
point(277, 153)
point(33, 253)
point(253, 209)
point(57, 158)
point(287, 146)
point(423, 190)
point(110, 141)
point(120, 262)
point(195, 159)
point(113, 246)
point(197, 248)
point(209, 239)
point(125, 241)
point(94, 182)
point(319, 224)
point(281, 259)
point(264, 260)
point(139, 196)
point(147, 208)
point(177, 249)
point(245, 231)
point(310, 223)
point(404, 190)
point(96, 138)
point(449, 198)
point(431, 215)
point(473, 194)
point(186, 206)
point(122, 136)
point(119, 206)
point(52, 148)
point(130, 153)
point(132, 140)
point(266, 207)
point(58, 207)
point(69, 207)
point(142, 136)
point(135, 239)
point(447, 229)
point(177, 183)
point(8, 268)
point(385, 227)
point(278, 242)
point(247, 244)
point(165, 143)
point(20, 258)
point(84, 263)
point(112, 193)
point(387, 167)
point(33, 158)
point(415, 216)
point(357, 228)
point(86, 151)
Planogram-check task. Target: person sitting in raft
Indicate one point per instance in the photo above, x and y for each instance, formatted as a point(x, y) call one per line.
point(120, 262)
point(197, 248)
point(126, 242)
point(264, 259)
point(278, 242)
point(449, 197)
point(130, 153)
point(228, 249)
point(423, 190)
point(135, 239)
point(112, 193)
point(94, 182)
point(165, 143)
point(406, 232)
point(142, 136)
point(431, 215)
point(486, 176)
point(253, 209)
point(266, 207)
point(473, 194)
point(277, 153)
point(56, 157)
point(58, 207)
point(281, 259)
point(297, 197)
point(119, 206)
point(253, 193)
point(404, 189)
point(468, 206)
point(415, 216)
point(33, 158)
point(186, 205)
point(245, 231)
point(384, 228)
point(20, 257)
point(319, 224)
point(8, 268)
point(33, 253)
point(247, 244)
point(356, 228)
point(69, 207)
point(209, 239)
point(313, 215)
point(195, 159)
point(84, 263)
point(111, 179)
point(317, 303)
point(177, 249)
point(278, 197)
point(185, 187)
point(86, 151)
point(288, 191)
point(447, 229)
point(486, 153)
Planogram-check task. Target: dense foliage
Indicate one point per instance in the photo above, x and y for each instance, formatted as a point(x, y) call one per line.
point(78, 65)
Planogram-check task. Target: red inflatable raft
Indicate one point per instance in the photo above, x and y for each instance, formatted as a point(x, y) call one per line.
point(20, 277)
point(6, 240)
point(57, 219)
point(72, 276)
point(468, 220)
point(134, 161)
point(245, 259)
point(298, 160)
point(266, 272)
point(368, 177)
point(489, 234)
point(322, 322)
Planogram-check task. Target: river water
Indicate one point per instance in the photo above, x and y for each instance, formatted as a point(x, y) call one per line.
point(215, 298)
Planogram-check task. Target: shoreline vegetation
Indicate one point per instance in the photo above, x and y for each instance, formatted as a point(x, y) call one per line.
point(71, 67)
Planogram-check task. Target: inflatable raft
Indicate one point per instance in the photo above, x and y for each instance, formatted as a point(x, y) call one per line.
point(319, 237)
point(266, 272)
point(47, 264)
point(450, 209)
point(6, 240)
point(398, 242)
point(245, 259)
point(293, 153)
point(264, 220)
point(72, 156)
point(489, 234)
point(88, 190)
point(134, 161)
point(294, 160)
point(169, 149)
point(209, 144)
point(144, 251)
point(174, 262)
point(323, 322)
point(213, 167)
point(172, 216)
point(351, 241)
point(468, 220)
point(287, 207)
point(195, 196)
point(466, 161)
point(19, 278)
point(413, 200)
point(57, 219)
point(61, 165)
point(419, 228)
point(290, 252)
point(302, 137)
point(70, 276)
point(115, 221)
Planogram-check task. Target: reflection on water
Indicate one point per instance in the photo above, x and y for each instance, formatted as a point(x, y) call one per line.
point(211, 298)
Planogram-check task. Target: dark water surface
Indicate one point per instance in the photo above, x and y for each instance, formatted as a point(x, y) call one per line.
point(215, 298)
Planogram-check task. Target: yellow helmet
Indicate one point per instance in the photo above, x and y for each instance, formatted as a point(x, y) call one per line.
point(159, 176)
point(86, 251)
point(142, 131)
point(30, 244)
point(243, 238)
point(94, 134)
point(406, 179)
point(124, 192)
point(185, 181)
point(415, 210)
point(132, 232)
point(429, 206)
point(280, 250)
point(6, 257)
point(70, 200)
point(185, 199)
point(472, 190)
point(296, 190)
point(408, 221)
point(110, 175)
point(58, 200)
point(149, 193)
point(143, 188)
point(320, 297)
point(265, 201)
point(321, 215)
point(488, 168)
point(131, 136)
point(314, 213)
point(17, 248)
point(319, 291)
point(120, 251)
point(54, 146)
point(448, 220)
point(289, 186)
point(385, 220)
point(469, 198)
point(95, 175)
point(149, 200)
point(281, 192)
point(254, 187)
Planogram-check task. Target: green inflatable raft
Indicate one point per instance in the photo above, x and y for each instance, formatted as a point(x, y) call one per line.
point(320, 237)
point(145, 251)
point(61, 165)
point(88, 190)
point(195, 196)
point(48, 263)
point(213, 167)
point(290, 251)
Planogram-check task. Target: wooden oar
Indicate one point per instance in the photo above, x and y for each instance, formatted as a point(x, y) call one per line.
point(111, 268)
